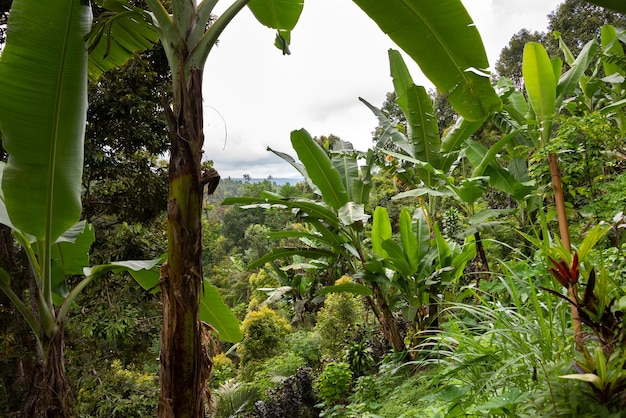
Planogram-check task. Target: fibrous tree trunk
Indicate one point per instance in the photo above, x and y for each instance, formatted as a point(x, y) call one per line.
point(185, 365)
point(388, 322)
point(58, 395)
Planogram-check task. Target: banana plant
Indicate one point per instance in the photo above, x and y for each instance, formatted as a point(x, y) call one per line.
point(415, 269)
point(424, 162)
point(43, 127)
point(547, 88)
point(335, 236)
point(602, 90)
point(188, 31)
point(42, 118)
point(444, 41)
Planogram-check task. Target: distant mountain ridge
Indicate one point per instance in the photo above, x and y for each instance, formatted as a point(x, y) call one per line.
point(281, 181)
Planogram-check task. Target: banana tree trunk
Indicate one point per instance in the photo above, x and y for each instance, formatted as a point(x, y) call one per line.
point(559, 203)
point(185, 364)
point(58, 396)
point(387, 321)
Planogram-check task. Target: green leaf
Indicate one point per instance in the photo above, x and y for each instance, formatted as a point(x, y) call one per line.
point(345, 165)
point(472, 189)
point(504, 402)
point(443, 247)
point(281, 15)
point(610, 45)
point(71, 250)
point(409, 239)
point(422, 232)
point(389, 132)
point(116, 37)
point(540, 84)
point(330, 239)
point(352, 212)
point(295, 164)
point(319, 169)
point(395, 255)
point(215, 312)
point(499, 178)
point(43, 104)
point(482, 216)
point(592, 237)
point(301, 205)
point(354, 288)
point(402, 79)
point(569, 80)
point(5, 280)
point(4, 216)
point(277, 14)
point(423, 130)
point(361, 191)
point(453, 138)
point(284, 253)
point(381, 230)
point(585, 377)
point(443, 40)
point(145, 272)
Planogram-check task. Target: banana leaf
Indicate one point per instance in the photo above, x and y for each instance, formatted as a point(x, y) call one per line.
point(442, 39)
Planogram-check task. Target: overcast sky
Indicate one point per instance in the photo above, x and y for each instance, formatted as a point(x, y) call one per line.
point(258, 96)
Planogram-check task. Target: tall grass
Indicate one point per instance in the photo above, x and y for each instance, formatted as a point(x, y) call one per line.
point(498, 352)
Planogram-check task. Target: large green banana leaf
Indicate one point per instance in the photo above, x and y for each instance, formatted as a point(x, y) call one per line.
point(442, 39)
point(277, 14)
point(320, 169)
point(117, 34)
point(420, 114)
point(541, 84)
point(43, 104)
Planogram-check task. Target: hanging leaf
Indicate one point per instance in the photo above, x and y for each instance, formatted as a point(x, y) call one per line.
point(216, 313)
point(319, 169)
point(442, 39)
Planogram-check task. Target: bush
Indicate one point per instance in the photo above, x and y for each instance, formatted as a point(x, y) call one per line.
point(263, 334)
point(223, 370)
point(293, 398)
point(306, 345)
point(333, 385)
point(337, 319)
point(119, 392)
point(257, 281)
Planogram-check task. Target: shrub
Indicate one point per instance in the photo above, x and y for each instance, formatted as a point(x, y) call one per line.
point(337, 319)
point(223, 370)
point(333, 385)
point(119, 392)
point(293, 398)
point(233, 399)
point(263, 333)
point(257, 281)
point(306, 345)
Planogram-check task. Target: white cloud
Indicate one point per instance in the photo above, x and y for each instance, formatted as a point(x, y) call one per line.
point(338, 54)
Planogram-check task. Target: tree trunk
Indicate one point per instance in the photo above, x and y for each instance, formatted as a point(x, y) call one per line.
point(559, 202)
point(387, 321)
point(58, 396)
point(185, 365)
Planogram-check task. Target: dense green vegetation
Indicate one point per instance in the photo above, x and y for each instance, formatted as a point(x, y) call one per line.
point(468, 264)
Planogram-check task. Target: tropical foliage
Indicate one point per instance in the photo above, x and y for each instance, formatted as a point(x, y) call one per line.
point(390, 282)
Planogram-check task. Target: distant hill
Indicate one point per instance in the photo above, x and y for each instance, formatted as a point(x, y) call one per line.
point(281, 181)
